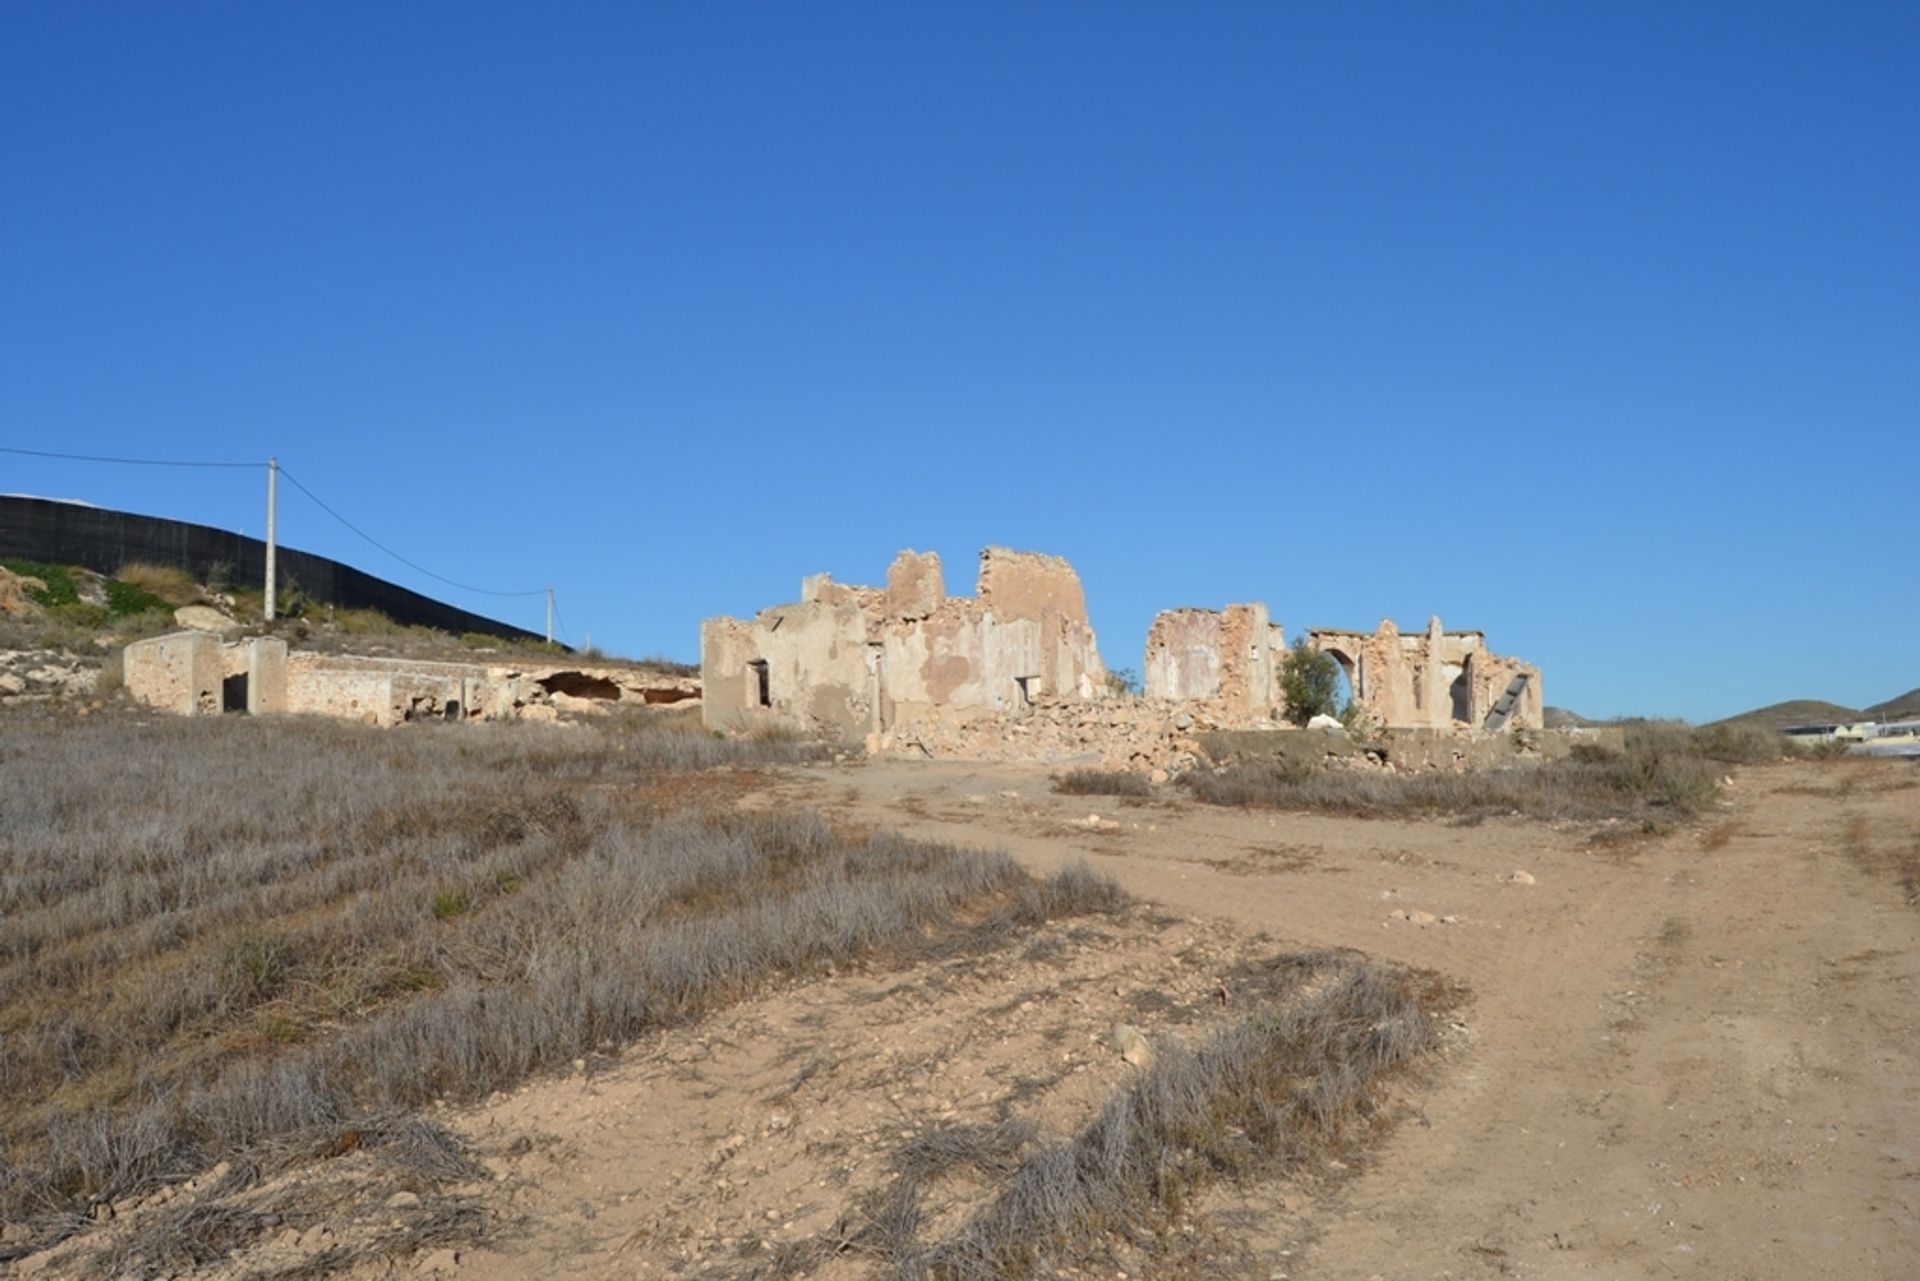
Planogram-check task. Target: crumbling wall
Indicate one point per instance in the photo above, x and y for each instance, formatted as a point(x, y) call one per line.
point(1231, 656)
point(182, 673)
point(1183, 655)
point(853, 661)
point(1436, 680)
point(261, 676)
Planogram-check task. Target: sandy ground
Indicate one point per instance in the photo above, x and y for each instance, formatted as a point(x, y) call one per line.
point(1692, 1055)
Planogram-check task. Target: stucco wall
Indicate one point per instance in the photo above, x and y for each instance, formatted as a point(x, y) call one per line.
point(851, 661)
point(180, 673)
point(383, 691)
point(1435, 679)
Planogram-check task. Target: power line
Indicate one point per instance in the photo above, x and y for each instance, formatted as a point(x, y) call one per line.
point(561, 624)
point(132, 462)
point(292, 480)
point(416, 567)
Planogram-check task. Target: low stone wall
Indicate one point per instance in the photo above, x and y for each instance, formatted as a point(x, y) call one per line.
point(1412, 750)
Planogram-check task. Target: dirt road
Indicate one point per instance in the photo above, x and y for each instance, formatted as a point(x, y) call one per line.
point(1691, 1056)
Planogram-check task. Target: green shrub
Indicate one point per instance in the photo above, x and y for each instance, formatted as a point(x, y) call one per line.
point(1310, 681)
point(448, 904)
point(254, 965)
point(80, 613)
point(59, 588)
point(124, 598)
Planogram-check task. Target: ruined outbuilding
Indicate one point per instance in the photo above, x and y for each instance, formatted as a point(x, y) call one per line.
point(852, 661)
point(1436, 679)
point(195, 674)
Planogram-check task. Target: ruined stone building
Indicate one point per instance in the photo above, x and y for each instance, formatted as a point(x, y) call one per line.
point(1013, 672)
point(853, 661)
point(1230, 662)
point(1230, 657)
point(196, 674)
point(1434, 680)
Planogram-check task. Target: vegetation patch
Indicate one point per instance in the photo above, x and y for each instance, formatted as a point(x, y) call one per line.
point(1661, 773)
point(1299, 1079)
point(58, 586)
point(1097, 782)
point(227, 936)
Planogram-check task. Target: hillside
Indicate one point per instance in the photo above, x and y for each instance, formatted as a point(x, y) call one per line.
point(1899, 707)
point(1798, 711)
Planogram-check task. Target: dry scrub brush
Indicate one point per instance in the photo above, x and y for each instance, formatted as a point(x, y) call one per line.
point(1098, 782)
point(222, 933)
point(1662, 772)
point(1295, 1081)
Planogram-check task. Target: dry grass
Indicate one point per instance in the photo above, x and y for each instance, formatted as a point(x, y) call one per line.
point(228, 935)
point(1660, 775)
point(1096, 782)
point(1295, 1081)
point(1901, 865)
point(168, 582)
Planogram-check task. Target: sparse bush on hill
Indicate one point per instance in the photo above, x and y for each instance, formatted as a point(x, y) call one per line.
point(167, 584)
point(58, 587)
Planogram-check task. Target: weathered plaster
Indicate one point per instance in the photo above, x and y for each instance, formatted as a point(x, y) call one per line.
point(853, 661)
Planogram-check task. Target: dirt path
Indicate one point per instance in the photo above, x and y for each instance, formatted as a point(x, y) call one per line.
point(1691, 1057)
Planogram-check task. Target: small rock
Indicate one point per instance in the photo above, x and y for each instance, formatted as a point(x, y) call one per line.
point(1520, 877)
point(442, 1260)
point(1131, 1044)
point(11, 684)
point(1158, 776)
point(403, 1201)
point(1419, 917)
point(102, 1213)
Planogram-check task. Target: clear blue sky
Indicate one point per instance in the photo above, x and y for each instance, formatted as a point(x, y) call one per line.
point(1593, 326)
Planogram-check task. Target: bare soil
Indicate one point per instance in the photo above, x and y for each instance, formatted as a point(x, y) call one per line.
point(1683, 1055)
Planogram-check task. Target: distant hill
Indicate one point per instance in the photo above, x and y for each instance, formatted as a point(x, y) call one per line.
point(1900, 707)
point(1799, 711)
point(1561, 718)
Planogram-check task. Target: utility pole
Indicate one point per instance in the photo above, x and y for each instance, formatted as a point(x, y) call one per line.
point(549, 615)
point(273, 494)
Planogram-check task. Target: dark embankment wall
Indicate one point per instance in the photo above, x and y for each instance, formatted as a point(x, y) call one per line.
point(101, 540)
